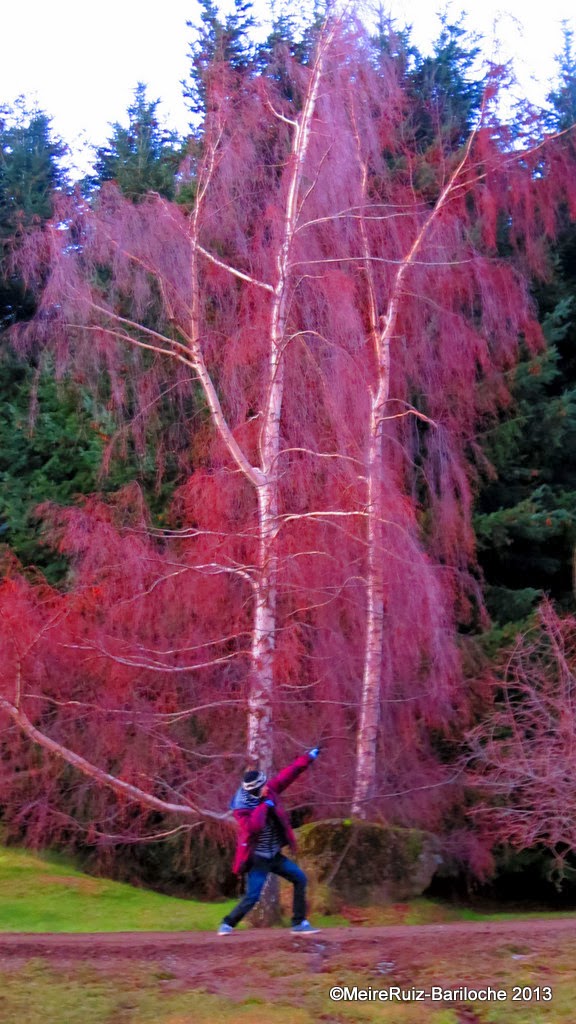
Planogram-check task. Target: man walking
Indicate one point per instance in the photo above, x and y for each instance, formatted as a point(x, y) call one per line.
point(263, 830)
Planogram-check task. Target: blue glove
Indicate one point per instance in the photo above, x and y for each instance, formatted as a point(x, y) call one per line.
point(269, 803)
point(314, 753)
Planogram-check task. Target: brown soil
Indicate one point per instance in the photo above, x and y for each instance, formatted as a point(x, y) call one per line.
point(270, 961)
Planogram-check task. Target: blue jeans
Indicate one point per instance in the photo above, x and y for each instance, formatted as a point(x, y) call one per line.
point(257, 875)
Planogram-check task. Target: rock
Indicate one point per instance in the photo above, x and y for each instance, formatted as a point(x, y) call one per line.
point(363, 863)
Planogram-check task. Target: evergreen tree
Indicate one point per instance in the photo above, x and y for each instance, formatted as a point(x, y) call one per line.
point(142, 157)
point(30, 171)
point(54, 437)
point(56, 456)
point(562, 98)
point(291, 37)
point(391, 43)
point(526, 515)
point(446, 90)
point(217, 39)
point(526, 519)
point(52, 455)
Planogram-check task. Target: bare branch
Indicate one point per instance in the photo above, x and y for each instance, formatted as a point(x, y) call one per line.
point(124, 789)
point(233, 270)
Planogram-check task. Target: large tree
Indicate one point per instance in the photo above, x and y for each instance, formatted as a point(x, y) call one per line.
point(30, 172)
point(519, 755)
point(218, 41)
point(337, 299)
point(142, 156)
point(62, 456)
point(526, 511)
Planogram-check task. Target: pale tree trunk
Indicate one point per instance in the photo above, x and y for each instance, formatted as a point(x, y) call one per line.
point(381, 335)
point(260, 704)
point(263, 478)
point(379, 344)
point(375, 600)
point(260, 732)
point(260, 720)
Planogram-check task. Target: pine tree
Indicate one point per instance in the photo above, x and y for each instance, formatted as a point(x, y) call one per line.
point(218, 40)
point(54, 436)
point(562, 98)
point(526, 514)
point(54, 454)
point(292, 38)
point(142, 157)
point(30, 171)
point(526, 519)
point(447, 94)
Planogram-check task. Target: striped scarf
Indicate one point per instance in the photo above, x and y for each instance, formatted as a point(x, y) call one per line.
point(271, 838)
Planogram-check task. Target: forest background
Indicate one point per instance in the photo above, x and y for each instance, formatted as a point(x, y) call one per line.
point(286, 434)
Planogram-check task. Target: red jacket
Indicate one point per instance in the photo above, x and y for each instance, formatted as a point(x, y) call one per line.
point(251, 821)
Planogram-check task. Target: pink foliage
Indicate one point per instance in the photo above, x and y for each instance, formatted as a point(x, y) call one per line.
point(522, 757)
point(154, 646)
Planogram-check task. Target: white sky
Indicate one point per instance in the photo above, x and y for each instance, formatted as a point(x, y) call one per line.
point(82, 61)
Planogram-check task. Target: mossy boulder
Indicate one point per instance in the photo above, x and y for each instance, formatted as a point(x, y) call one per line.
point(363, 863)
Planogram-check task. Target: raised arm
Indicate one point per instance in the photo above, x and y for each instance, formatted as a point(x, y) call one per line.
point(283, 779)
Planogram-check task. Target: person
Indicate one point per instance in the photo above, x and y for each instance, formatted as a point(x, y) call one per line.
point(263, 830)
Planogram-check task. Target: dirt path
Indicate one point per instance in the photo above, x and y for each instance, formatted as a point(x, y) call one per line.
point(300, 971)
point(136, 945)
point(356, 946)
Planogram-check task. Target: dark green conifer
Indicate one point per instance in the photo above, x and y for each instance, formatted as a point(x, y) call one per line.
point(30, 171)
point(526, 519)
point(218, 38)
point(142, 156)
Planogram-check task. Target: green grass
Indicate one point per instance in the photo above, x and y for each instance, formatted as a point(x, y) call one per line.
point(45, 893)
point(40, 994)
point(151, 993)
point(37, 994)
point(467, 914)
point(424, 910)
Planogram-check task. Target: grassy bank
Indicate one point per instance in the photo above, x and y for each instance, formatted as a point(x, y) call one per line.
point(46, 893)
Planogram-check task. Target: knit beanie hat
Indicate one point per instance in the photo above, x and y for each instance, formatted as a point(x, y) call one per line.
point(253, 780)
